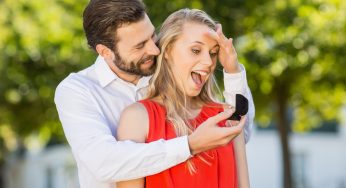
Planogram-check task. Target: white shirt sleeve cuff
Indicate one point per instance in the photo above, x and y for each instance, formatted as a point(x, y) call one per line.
point(235, 82)
point(180, 146)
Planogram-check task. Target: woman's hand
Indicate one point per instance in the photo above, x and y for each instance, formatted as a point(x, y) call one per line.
point(227, 54)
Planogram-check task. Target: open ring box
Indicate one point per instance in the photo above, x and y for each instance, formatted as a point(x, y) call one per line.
point(241, 107)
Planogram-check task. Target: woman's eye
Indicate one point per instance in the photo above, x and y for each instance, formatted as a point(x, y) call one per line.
point(213, 54)
point(195, 51)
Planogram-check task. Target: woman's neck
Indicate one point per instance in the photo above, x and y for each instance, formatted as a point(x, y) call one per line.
point(193, 105)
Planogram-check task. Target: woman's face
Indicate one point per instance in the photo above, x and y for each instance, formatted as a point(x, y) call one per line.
point(193, 58)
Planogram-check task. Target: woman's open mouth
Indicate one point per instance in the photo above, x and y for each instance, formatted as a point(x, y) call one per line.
point(199, 77)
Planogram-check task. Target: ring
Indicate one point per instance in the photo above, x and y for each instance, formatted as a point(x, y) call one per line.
point(230, 107)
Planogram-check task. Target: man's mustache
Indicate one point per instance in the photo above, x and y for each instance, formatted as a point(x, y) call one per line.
point(147, 58)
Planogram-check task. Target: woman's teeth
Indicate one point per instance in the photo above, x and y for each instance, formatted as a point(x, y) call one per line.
point(202, 73)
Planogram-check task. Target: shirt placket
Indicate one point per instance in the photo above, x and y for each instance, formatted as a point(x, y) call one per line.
point(140, 93)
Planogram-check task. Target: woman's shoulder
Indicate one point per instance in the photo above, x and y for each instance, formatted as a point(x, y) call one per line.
point(136, 109)
point(153, 106)
point(149, 102)
point(133, 123)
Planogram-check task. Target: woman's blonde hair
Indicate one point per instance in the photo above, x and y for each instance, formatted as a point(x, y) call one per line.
point(163, 85)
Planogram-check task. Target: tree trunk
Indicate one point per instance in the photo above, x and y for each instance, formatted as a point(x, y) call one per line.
point(2, 165)
point(2, 175)
point(283, 128)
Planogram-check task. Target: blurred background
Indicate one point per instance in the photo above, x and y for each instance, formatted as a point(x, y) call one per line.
point(294, 52)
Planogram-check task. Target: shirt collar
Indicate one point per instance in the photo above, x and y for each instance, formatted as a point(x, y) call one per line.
point(143, 82)
point(106, 75)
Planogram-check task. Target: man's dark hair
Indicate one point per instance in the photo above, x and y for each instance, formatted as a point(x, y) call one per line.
point(101, 19)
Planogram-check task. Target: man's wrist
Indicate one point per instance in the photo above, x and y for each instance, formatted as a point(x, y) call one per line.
point(190, 143)
point(178, 148)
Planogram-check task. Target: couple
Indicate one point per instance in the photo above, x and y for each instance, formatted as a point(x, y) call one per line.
point(187, 140)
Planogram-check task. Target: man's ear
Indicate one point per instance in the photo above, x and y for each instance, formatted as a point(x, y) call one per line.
point(104, 51)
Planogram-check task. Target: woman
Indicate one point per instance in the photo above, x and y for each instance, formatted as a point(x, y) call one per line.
point(181, 96)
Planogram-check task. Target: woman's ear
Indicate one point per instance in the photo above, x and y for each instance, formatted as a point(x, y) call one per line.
point(165, 55)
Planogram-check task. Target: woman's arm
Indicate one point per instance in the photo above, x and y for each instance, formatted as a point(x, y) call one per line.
point(133, 125)
point(241, 161)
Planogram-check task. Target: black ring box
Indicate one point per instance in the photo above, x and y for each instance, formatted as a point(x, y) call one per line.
point(241, 107)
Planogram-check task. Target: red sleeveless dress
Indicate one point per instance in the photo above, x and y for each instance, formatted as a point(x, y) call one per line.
point(218, 172)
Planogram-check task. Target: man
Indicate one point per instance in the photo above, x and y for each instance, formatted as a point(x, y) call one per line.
point(90, 102)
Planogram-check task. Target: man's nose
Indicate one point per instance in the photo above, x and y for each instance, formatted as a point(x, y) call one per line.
point(152, 49)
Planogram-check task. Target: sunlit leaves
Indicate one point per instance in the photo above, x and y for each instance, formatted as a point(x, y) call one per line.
point(41, 42)
point(301, 43)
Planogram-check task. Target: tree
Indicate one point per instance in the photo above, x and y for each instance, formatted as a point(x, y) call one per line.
point(40, 43)
point(294, 51)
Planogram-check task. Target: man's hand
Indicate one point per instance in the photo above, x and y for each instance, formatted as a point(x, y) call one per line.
point(227, 54)
point(209, 135)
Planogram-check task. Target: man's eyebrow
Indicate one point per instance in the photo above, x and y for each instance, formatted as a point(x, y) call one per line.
point(143, 42)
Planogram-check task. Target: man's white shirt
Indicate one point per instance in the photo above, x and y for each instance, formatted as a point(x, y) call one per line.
point(90, 103)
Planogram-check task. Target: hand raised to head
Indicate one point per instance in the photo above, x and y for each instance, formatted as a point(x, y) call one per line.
point(227, 53)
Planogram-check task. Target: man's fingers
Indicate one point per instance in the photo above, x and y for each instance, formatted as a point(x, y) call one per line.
point(229, 131)
point(230, 123)
point(242, 121)
point(221, 116)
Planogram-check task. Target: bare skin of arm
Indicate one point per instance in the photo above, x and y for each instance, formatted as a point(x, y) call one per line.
point(241, 161)
point(133, 125)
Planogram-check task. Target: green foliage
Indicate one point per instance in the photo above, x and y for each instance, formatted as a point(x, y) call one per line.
point(297, 48)
point(41, 42)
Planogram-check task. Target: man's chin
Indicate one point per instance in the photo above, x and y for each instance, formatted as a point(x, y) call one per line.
point(149, 70)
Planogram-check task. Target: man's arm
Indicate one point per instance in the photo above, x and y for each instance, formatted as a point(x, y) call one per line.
point(109, 160)
point(97, 150)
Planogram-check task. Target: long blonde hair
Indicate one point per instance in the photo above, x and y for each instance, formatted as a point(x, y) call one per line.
point(163, 85)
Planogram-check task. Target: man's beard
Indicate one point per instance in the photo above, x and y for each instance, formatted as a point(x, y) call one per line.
point(135, 68)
